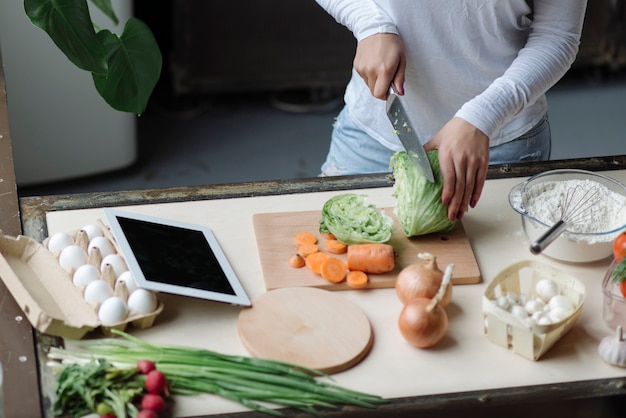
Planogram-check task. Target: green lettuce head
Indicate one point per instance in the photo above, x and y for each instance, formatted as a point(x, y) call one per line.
point(354, 221)
point(418, 201)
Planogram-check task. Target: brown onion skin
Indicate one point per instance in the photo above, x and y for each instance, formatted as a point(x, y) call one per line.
point(421, 324)
point(421, 280)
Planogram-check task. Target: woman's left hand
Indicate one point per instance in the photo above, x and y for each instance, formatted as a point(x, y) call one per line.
point(464, 159)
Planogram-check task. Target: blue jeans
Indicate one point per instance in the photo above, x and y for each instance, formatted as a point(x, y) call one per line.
point(352, 151)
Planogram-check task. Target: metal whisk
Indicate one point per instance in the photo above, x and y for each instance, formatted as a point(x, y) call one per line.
point(576, 207)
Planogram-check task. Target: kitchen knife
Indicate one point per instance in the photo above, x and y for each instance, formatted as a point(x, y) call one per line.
point(403, 128)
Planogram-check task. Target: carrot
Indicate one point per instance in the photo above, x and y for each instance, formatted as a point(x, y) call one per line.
point(328, 235)
point(315, 260)
point(334, 270)
point(296, 261)
point(357, 279)
point(334, 246)
point(306, 249)
point(305, 238)
point(371, 258)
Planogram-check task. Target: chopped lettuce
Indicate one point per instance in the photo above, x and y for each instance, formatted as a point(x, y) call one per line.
point(418, 201)
point(354, 221)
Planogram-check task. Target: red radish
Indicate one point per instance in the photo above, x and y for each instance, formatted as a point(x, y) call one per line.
point(108, 415)
point(146, 413)
point(145, 366)
point(156, 382)
point(152, 402)
point(423, 322)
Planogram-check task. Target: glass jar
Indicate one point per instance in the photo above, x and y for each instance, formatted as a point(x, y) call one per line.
point(614, 310)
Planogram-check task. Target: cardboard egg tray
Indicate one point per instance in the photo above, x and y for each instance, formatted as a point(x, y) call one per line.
point(46, 293)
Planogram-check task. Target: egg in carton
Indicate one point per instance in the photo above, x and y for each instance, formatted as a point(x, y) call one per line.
point(93, 262)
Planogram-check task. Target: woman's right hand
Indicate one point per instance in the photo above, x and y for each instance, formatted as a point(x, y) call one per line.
point(380, 61)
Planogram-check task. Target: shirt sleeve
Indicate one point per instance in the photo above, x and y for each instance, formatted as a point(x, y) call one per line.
point(362, 17)
point(549, 52)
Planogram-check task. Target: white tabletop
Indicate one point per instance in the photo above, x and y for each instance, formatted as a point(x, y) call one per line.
point(464, 361)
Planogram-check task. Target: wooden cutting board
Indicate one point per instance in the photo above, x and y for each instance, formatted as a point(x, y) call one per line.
point(309, 327)
point(275, 235)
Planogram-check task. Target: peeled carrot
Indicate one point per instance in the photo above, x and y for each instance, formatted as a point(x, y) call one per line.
point(305, 238)
point(371, 258)
point(296, 261)
point(314, 261)
point(334, 246)
point(334, 270)
point(357, 279)
point(306, 249)
point(328, 235)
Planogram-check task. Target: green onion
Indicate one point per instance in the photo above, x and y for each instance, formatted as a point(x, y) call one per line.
point(245, 380)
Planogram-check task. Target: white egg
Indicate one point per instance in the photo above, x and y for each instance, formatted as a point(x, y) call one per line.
point(112, 311)
point(116, 261)
point(503, 302)
point(92, 231)
point(59, 241)
point(546, 288)
point(72, 257)
point(519, 311)
point(98, 291)
point(103, 244)
point(558, 314)
point(534, 305)
point(85, 274)
point(544, 320)
point(512, 297)
point(561, 301)
point(129, 280)
point(142, 301)
point(538, 315)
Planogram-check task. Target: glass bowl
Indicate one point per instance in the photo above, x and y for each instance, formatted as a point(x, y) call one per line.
point(614, 309)
point(577, 246)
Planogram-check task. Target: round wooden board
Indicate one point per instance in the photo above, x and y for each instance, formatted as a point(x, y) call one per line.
point(306, 326)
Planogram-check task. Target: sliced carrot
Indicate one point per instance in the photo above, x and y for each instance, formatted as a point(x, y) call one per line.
point(315, 260)
point(306, 249)
point(305, 238)
point(334, 246)
point(296, 261)
point(357, 279)
point(371, 258)
point(334, 270)
point(328, 235)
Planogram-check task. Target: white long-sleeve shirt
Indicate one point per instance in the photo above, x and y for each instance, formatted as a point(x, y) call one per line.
point(488, 62)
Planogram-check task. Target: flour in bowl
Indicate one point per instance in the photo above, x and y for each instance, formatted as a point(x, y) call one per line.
point(605, 212)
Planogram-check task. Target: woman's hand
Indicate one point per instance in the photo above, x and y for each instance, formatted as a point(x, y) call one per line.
point(464, 158)
point(380, 61)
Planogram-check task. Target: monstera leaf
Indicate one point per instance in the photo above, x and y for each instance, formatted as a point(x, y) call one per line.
point(125, 67)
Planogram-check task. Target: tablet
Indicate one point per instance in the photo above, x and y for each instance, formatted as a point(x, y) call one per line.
point(175, 257)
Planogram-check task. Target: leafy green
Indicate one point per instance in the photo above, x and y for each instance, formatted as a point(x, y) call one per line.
point(418, 201)
point(134, 67)
point(619, 274)
point(354, 221)
point(125, 68)
point(97, 387)
point(250, 381)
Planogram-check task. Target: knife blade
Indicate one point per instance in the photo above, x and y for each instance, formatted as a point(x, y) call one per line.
point(402, 126)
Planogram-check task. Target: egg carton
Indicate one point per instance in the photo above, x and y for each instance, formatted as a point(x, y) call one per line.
point(523, 337)
point(47, 295)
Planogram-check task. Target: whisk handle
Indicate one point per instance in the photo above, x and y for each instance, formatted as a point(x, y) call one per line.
point(548, 237)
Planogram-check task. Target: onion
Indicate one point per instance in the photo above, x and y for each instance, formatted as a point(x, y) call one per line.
point(421, 281)
point(423, 322)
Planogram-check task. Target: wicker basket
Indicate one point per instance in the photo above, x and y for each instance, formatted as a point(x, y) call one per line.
point(507, 330)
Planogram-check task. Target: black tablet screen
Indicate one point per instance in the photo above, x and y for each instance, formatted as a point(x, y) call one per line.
point(173, 255)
